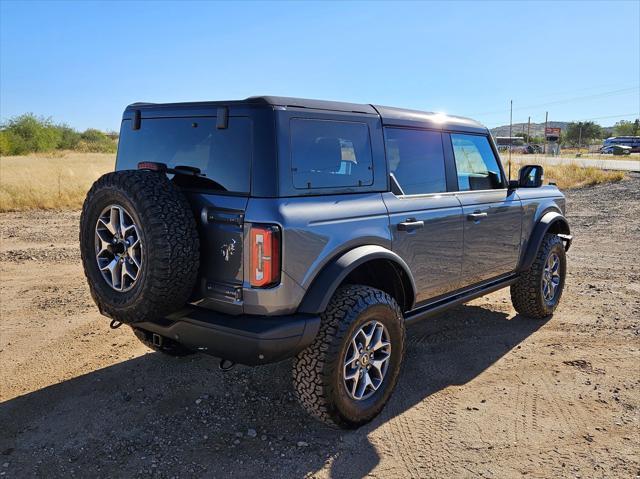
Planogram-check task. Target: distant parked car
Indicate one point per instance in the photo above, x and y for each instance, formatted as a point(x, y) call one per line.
point(632, 142)
point(616, 149)
point(532, 149)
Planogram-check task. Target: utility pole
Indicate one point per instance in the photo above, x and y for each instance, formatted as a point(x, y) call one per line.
point(546, 119)
point(510, 135)
point(529, 131)
point(580, 138)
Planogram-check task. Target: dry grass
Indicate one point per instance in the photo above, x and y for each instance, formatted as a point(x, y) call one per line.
point(58, 180)
point(584, 155)
point(574, 176)
point(571, 175)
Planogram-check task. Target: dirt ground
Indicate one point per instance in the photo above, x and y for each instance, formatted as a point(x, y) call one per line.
point(483, 392)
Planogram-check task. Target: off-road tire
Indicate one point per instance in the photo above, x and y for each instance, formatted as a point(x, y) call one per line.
point(170, 245)
point(169, 346)
point(526, 293)
point(317, 370)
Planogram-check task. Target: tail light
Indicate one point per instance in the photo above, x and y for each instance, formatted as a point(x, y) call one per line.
point(153, 166)
point(265, 255)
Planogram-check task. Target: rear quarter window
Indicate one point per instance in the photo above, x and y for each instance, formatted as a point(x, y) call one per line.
point(222, 155)
point(329, 154)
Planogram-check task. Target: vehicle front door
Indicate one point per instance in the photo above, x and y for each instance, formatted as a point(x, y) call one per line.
point(426, 221)
point(492, 214)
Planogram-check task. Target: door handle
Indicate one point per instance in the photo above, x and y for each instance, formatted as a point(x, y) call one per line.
point(476, 216)
point(410, 224)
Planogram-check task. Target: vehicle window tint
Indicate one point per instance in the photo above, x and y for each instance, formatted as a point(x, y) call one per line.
point(326, 153)
point(416, 159)
point(222, 155)
point(476, 164)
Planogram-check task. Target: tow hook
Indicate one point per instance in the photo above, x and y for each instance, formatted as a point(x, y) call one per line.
point(115, 324)
point(157, 340)
point(226, 364)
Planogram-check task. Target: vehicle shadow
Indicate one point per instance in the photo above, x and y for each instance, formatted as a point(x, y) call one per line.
point(155, 415)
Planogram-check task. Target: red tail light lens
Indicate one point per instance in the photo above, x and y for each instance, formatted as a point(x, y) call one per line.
point(265, 256)
point(149, 165)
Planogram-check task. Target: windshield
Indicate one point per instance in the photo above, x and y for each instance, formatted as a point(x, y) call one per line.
point(222, 155)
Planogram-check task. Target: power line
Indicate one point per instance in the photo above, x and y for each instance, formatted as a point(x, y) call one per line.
point(624, 115)
point(567, 100)
point(614, 116)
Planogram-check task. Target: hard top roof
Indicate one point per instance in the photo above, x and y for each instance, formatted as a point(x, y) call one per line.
point(389, 115)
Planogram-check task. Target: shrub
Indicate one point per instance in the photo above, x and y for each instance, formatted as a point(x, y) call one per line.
point(11, 144)
point(69, 138)
point(96, 141)
point(28, 133)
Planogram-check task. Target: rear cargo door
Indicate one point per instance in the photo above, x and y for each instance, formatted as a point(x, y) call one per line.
point(220, 221)
point(218, 194)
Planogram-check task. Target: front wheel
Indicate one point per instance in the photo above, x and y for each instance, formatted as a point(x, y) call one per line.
point(346, 376)
point(537, 292)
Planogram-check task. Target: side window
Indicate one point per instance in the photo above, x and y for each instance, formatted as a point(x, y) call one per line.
point(327, 153)
point(416, 159)
point(476, 164)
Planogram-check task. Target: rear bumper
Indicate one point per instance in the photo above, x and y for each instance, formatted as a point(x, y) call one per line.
point(245, 339)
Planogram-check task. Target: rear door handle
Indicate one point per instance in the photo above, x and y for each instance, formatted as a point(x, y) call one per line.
point(476, 216)
point(410, 224)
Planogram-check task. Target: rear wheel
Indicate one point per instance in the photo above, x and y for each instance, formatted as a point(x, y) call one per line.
point(346, 376)
point(537, 292)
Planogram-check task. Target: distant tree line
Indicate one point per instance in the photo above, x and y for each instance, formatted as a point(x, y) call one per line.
point(29, 133)
point(587, 132)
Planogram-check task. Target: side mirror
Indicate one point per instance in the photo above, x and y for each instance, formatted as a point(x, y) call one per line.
point(530, 176)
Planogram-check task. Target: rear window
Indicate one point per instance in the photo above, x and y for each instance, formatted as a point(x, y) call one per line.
point(222, 155)
point(416, 159)
point(327, 154)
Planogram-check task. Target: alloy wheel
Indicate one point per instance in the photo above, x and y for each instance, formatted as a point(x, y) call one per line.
point(118, 248)
point(367, 360)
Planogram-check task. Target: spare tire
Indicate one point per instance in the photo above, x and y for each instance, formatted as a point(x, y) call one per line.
point(139, 245)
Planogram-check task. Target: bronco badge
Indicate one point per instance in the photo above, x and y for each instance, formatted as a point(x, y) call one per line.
point(227, 250)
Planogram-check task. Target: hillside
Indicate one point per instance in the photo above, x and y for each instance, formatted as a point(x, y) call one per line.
point(537, 129)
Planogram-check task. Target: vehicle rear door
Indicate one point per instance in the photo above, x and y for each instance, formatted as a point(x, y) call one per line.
point(426, 221)
point(218, 194)
point(492, 213)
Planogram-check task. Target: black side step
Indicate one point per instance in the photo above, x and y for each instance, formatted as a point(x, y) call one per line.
point(437, 307)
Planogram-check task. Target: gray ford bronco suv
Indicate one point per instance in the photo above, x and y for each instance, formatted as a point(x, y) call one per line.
point(270, 228)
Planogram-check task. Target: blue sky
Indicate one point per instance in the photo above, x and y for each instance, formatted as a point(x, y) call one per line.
point(83, 62)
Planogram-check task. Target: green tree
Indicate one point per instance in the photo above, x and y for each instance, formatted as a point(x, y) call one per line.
point(27, 133)
point(627, 128)
point(581, 131)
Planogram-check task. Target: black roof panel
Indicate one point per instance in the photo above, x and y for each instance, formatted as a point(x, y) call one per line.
point(440, 121)
point(389, 115)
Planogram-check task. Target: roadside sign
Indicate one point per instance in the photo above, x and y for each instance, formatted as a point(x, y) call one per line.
point(550, 133)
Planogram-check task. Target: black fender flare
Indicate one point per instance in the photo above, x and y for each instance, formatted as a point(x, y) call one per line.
point(551, 220)
point(333, 274)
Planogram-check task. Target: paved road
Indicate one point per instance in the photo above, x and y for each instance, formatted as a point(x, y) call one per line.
point(605, 164)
